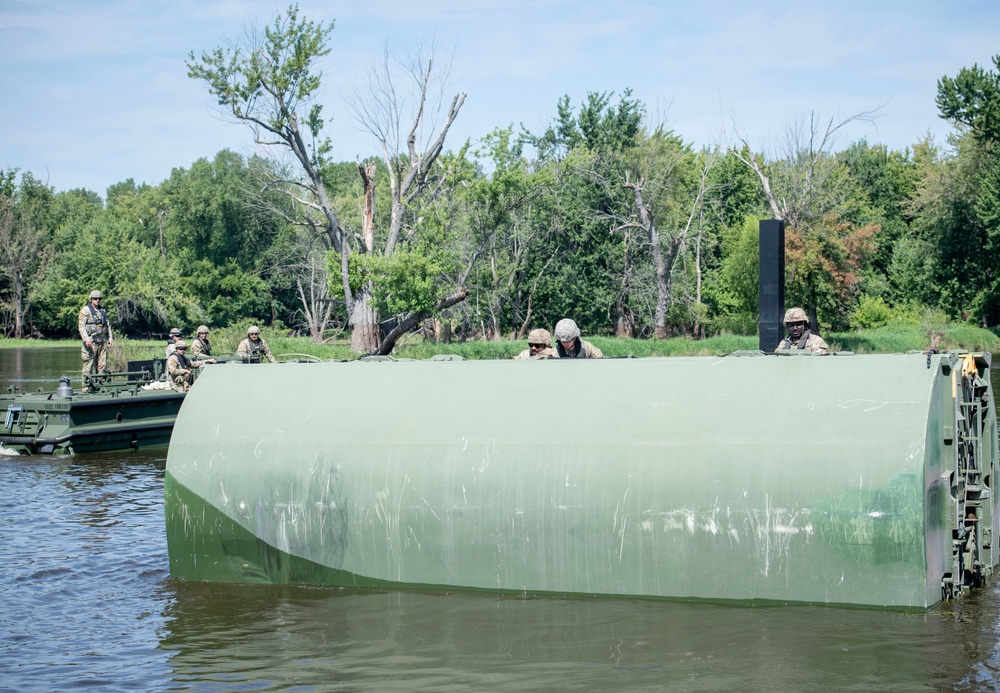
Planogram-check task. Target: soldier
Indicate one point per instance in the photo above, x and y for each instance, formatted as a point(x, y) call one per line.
point(253, 349)
point(201, 345)
point(95, 331)
point(798, 336)
point(179, 367)
point(172, 338)
point(539, 346)
point(570, 346)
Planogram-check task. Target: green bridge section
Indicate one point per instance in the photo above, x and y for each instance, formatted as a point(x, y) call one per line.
point(860, 480)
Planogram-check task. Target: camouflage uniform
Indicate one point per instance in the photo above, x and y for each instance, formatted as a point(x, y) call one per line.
point(171, 342)
point(201, 347)
point(254, 353)
point(808, 341)
point(179, 372)
point(546, 353)
point(567, 331)
point(93, 325)
point(538, 337)
point(581, 350)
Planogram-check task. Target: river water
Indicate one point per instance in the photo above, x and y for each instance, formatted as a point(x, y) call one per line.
point(87, 603)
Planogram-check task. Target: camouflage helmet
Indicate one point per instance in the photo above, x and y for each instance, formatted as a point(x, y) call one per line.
point(180, 344)
point(566, 330)
point(795, 315)
point(174, 332)
point(96, 294)
point(540, 336)
point(253, 330)
point(201, 328)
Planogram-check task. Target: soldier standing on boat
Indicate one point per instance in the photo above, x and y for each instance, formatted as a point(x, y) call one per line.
point(179, 368)
point(570, 346)
point(253, 349)
point(95, 331)
point(539, 346)
point(798, 336)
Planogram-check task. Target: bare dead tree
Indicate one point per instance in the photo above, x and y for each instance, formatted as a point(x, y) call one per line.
point(313, 289)
point(24, 253)
point(404, 122)
point(663, 262)
point(264, 80)
point(657, 171)
point(796, 178)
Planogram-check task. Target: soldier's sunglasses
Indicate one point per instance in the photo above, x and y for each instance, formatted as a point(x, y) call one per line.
point(538, 346)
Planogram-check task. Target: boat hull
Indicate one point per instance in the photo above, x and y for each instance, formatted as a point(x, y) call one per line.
point(88, 422)
point(838, 480)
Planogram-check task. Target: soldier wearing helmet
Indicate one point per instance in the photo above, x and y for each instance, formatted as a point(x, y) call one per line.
point(179, 367)
point(95, 331)
point(570, 346)
point(172, 338)
point(539, 346)
point(799, 337)
point(253, 349)
point(201, 346)
point(201, 350)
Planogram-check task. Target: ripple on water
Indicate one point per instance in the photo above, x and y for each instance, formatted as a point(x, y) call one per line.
point(87, 604)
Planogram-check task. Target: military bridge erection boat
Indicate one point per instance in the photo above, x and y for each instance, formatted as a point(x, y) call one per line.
point(119, 411)
point(845, 479)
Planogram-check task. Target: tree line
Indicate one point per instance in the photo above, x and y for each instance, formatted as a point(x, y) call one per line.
point(606, 216)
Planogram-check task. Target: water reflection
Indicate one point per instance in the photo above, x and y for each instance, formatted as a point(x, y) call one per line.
point(272, 638)
point(30, 369)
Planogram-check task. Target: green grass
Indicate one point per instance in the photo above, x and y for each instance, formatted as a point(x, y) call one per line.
point(889, 340)
point(884, 340)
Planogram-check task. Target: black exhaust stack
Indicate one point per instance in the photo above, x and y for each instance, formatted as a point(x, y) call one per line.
point(772, 283)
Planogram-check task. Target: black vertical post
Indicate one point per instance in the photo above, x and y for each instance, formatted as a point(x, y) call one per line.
point(772, 283)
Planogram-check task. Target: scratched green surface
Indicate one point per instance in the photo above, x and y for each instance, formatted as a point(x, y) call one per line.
point(740, 478)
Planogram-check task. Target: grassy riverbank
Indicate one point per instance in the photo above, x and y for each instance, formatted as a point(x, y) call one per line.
point(876, 341)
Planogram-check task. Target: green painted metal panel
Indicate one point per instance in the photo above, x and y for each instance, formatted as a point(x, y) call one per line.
point(806, 479)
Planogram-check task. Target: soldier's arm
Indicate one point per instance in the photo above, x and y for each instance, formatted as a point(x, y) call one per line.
point(82, 325)
point(821, 347)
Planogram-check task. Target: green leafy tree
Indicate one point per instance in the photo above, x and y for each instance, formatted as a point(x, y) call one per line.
point(972, 99)
point(887, 179)
point(144, 292)
point(269, 80)
point(507, 213)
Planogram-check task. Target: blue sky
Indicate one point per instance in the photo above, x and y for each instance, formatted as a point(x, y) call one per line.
point(93, 92)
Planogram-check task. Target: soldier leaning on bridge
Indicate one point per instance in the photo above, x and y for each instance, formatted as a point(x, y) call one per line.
point(539, 346)
point(798, 336)
point(570, 346)
point(95, 331)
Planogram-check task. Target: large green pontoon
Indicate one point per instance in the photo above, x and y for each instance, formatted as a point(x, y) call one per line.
point(861, 480)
